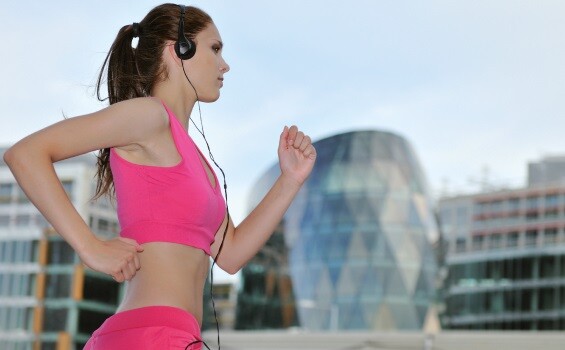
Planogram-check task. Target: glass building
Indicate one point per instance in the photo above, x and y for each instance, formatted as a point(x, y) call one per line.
point(356, 243)
point(506, 255)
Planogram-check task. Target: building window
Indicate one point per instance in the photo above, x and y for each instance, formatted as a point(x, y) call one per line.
point(478, 242)
point(546, 297)
point(19, 251)
point(41, 221)
point(48, 345)
point(6, 192)
point(3, 252)
point(58, 286)
point(525, 269)
point(103, 225)
point(60, 252)
point(4, 220)
point(496, 206)
point(551, 200)
point(18, 284)
point(21, 196)
point(55, 319)
point(548, 267)
point(531, 237)
point(23, 220)
point(68, 187)
point(514, 204)
point(101, 290)
point(512, 239)
point(7, 250)
point(532, 202)
point(481, 208)
point(495, 241)
point(3, 282)
point(89, 321)
point(550, 236)
point(460, 245)
point(462, 216)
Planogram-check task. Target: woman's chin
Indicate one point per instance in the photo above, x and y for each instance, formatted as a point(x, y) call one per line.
point(210, 98)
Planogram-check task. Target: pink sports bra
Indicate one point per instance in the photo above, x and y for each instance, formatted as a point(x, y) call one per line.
point(174, 204)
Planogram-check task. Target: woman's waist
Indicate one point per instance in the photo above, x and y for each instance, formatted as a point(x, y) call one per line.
point(164, 290)
point(170, 274)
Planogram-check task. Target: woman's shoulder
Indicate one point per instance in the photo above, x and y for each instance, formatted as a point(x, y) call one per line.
point(142, 107)
point(143, 114)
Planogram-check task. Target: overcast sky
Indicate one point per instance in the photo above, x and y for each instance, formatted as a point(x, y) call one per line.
point(472, 85)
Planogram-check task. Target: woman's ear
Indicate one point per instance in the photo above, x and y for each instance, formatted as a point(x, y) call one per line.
point(170, 55)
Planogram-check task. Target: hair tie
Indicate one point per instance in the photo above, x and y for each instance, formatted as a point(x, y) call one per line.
point(135, 29)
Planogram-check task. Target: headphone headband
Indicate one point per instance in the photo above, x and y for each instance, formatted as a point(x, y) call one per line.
point(184, 48)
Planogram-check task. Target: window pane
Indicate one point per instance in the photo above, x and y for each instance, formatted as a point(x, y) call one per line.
point(60, 252)
point(5, 192)
point(58, 286)
point(55, 319)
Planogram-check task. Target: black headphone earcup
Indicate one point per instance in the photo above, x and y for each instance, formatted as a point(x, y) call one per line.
point(185, 48)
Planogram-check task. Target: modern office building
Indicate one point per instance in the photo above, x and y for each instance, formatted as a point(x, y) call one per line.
point(506, 255)
point(354, 251)
point(48, 299)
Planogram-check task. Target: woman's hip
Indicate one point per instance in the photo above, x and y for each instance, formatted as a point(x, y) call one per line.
point(150, 327)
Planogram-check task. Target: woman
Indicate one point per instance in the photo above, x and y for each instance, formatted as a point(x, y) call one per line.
point(169, 202)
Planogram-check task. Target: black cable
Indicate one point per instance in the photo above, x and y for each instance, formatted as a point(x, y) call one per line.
point(227, 213)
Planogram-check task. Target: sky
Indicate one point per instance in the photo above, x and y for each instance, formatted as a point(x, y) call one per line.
point(476, 87)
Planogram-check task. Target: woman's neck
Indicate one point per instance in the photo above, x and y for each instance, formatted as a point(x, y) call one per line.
point(177, 100)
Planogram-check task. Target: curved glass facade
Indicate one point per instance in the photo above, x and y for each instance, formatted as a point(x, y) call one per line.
point(358, 235)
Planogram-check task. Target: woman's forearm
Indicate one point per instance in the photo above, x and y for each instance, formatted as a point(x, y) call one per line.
point(36, 176)
point(254, 231)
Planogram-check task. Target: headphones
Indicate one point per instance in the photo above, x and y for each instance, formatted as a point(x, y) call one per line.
point(184, 48)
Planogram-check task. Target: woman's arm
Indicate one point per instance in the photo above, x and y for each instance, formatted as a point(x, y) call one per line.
point(296, 157)
point(31, 161)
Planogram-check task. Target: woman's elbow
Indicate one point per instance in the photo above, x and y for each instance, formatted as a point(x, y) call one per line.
point(230, 267)
point(10, 156)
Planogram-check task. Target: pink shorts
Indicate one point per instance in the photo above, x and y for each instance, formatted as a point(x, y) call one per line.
point(151, 327)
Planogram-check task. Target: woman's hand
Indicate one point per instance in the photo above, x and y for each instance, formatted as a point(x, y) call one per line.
point(296, 154)
point(117, 257)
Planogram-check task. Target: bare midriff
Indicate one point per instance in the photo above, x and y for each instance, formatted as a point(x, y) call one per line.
point(170, 275)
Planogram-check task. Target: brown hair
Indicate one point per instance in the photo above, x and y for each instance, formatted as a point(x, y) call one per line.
point(133, 72)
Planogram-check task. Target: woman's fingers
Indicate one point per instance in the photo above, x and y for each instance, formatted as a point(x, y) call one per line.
point(118, 277)
point(131, 242)
point(306, 141)
point(292, 132)
point(117, 257)
point(298, 139)
point(310, 152)
point(136, 262)
point(130, 270)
